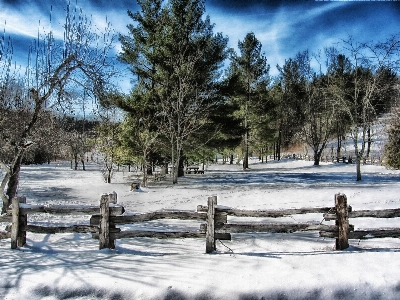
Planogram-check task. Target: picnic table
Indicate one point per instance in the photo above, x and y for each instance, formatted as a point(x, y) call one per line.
point(194, 169)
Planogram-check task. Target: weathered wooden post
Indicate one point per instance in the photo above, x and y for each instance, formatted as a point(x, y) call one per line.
point(210, 233)
point(342, 221)
point(15, 223)
point(104, 230)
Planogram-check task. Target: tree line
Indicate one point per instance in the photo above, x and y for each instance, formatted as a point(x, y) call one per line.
point(189, 103)
point(192, 96)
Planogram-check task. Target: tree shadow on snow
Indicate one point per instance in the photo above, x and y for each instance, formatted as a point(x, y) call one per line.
point(323, 293)
point(42, 194)
point(79, 293)
point(277, 180)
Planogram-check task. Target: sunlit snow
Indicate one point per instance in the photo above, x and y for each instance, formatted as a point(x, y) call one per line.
point(251, 266)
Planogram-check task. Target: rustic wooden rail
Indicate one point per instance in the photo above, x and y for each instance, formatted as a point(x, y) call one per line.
point(19, 211)
point(103, 222)
point(105, 218)
point(152, 216)
point(342, 231)
point(345, 212)
point(218, 225)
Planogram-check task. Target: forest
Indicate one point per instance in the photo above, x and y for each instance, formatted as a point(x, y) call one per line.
point(192, 97)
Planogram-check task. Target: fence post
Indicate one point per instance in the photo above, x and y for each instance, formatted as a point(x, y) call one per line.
point(23, 220)
point(15, 223)
point(210, 233)
point(342, 221)
point(104, 230)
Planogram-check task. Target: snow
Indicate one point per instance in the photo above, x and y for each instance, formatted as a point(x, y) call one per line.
point(251, 266)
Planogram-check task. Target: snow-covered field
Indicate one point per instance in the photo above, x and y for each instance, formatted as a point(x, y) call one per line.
point(251, 266)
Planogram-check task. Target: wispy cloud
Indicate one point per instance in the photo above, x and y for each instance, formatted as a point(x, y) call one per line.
point(285, 29)
point(24, 21)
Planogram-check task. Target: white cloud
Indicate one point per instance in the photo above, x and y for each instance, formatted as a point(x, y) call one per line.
point(273, 29)
point(24, 22)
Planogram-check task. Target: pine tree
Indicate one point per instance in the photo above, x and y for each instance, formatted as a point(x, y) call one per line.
point(251, 72)
point(392, 148)
point(177, 58)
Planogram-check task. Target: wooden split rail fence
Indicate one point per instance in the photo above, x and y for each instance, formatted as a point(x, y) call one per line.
point(104, 221)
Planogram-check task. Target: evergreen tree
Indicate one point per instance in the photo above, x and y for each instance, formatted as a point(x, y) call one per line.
point(251, 72)
point(140, 129)
point(392, 148)
point(177, 58)
point(339, 87)
point(291, 112)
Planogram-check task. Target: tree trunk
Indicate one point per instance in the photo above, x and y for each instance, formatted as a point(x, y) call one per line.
point(76, 162)
point(144, 179)
point(369, 142)
point(358, 167)
point(339, 146)
point(166, 168)
point(149, 169)
point(5, 200)
point(14, 179)
point(262, 155)
point(175, 167)
point(148, 163)
point(246, 150)
point(108, 176)
point(175, 160)
point(317, 157)
point(181, 168)
point(246, 135)
point(278, 146)
point(83, 164)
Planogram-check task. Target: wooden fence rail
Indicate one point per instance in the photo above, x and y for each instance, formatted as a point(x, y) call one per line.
point(105, 218)
point(342, 231)
point(116, 233)
point(20, 210)
point(217, 223)
point(345, 212)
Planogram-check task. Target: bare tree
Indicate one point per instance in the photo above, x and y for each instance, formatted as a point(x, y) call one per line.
point(107, 136)
point(319, 111)
point(139, 131)
point(55, 68)
point(370, 63)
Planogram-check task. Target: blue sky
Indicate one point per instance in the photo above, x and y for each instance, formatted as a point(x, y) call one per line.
point(283, 27)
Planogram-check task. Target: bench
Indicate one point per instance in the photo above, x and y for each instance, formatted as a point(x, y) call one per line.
point(195, 170)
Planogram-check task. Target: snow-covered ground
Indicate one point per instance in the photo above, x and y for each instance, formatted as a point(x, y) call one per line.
point(251, 266)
